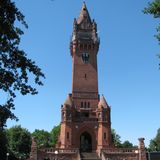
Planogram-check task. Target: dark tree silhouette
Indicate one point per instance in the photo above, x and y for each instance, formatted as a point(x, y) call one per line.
point(16, 68)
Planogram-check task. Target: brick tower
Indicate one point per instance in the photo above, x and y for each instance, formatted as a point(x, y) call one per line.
point(85, 122)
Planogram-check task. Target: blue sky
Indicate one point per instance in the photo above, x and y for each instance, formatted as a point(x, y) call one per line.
point(127, 64)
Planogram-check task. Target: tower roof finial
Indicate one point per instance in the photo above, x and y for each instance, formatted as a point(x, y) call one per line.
point(84, 14)
point(84, 3)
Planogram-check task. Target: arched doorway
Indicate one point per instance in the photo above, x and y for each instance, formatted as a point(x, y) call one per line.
point(85, 142)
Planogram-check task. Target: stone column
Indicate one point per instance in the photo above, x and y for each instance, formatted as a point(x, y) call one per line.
point(142, 151)
point(33, 154)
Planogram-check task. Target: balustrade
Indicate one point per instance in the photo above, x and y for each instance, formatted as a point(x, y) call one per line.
point(121, 151)
point(61, 151)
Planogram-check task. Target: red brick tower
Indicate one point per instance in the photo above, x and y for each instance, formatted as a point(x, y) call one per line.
point(85, 120)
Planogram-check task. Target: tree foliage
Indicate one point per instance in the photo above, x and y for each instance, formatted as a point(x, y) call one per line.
point(15, 67)
point(155, 142)
point(116, 138)
point(54, 135)
point(153, 8)
point(43, 138)
point(19, 141)
point(127, 144)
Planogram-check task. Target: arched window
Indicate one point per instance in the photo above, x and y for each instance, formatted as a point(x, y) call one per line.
point(67, 135)
point(81, 104)
point(85, 76)
point(88, 104)
point(81, 46)
point(105, 135)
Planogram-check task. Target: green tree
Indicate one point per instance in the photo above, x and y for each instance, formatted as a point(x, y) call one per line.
point(54, 135)
point(116, 139)
point(16, 69)
point(153, 8)
point(127, 144)
point(43, 138)
point(155, 142)
point(19, 141)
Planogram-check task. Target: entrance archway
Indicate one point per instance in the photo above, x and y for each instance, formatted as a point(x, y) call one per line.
point(85, 142)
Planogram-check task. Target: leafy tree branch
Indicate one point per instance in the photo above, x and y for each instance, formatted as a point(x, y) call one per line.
point(15, 67)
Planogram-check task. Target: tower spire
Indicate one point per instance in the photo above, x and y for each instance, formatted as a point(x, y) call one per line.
point(84, 14)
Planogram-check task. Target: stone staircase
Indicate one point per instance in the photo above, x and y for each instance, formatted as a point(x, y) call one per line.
point(89, 156)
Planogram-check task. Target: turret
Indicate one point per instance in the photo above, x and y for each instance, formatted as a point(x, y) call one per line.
point(67, 109)
point(103, 110)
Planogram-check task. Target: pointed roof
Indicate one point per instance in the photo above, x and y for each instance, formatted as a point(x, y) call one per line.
point(68, 101)
point(84, 14)
point(103, 103)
